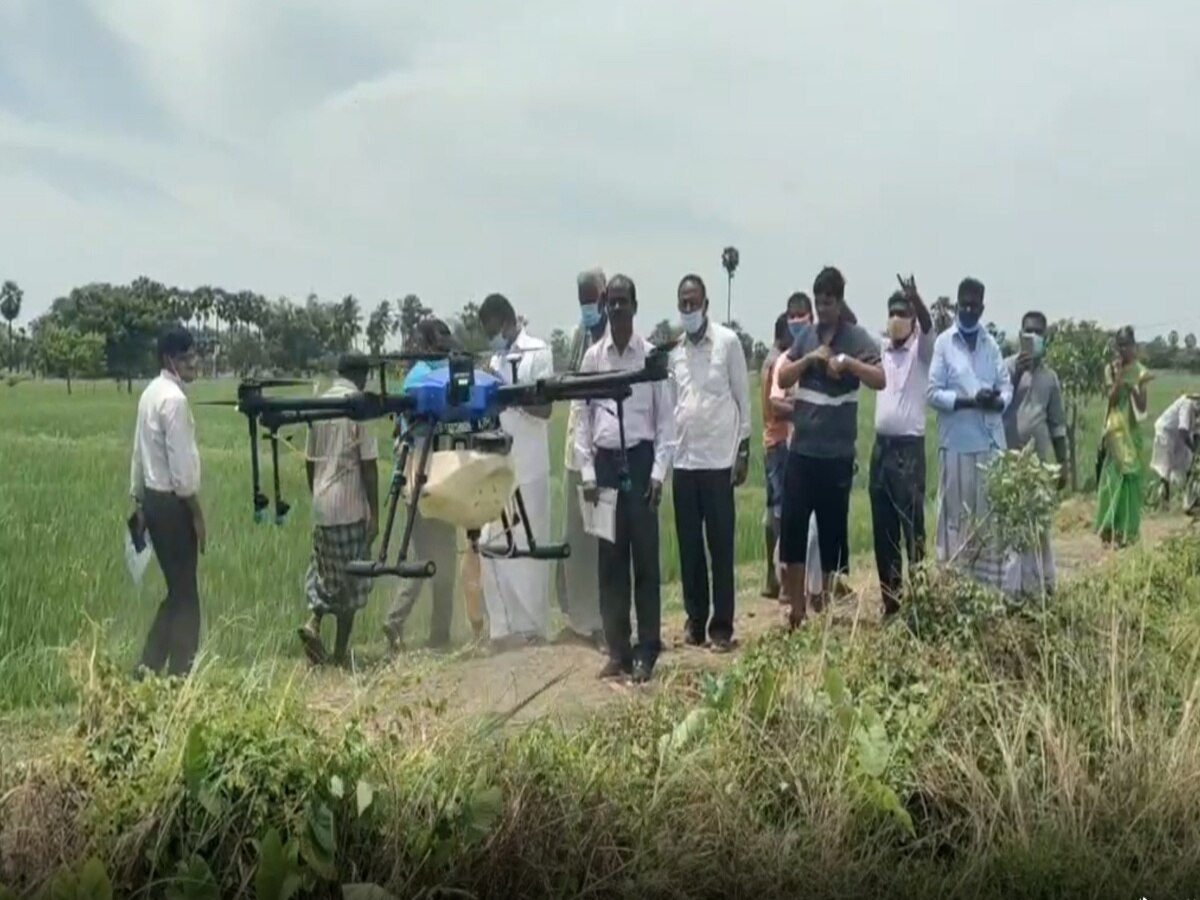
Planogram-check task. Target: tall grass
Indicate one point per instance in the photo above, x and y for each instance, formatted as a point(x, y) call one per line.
point(63, 498)
point(991, 754)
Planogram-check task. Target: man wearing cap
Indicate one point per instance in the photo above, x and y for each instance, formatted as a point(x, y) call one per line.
point(578, 589)
point(897, 477)
point(343, 478)
point(165, 483)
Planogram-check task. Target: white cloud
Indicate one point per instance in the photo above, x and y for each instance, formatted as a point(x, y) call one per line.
point(456, 148)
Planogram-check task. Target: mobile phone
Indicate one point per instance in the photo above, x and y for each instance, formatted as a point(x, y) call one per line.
point(1027, 344)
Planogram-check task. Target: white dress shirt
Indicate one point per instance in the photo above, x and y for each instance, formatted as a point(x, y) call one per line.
point(712, 399)
point(165, 456)
point(530, 435)
point(647, 411)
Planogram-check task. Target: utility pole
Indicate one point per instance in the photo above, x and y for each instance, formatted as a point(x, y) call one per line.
point(729, 259)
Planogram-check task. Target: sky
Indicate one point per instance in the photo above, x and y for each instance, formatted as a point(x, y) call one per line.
point(459, 147)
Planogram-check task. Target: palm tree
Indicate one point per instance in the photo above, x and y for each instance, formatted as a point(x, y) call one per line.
point(10, 307)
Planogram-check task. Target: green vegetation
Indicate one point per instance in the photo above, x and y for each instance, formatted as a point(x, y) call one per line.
point(994, 755)
point(64, 499)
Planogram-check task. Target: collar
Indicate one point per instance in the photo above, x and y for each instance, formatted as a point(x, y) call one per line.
point(171, 377)
point(607, 343)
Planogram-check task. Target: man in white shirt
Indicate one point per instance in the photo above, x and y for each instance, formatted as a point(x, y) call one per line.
point(343, 477)
point(578, 592)
point(164, 482)
point(637, 474)
point(897, 479)
point(711, 458)
point(516, 591)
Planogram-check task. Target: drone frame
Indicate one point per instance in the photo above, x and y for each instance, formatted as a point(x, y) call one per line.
point(461, 404)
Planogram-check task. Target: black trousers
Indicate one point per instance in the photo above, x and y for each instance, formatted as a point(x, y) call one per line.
point(175, 634)
point(897, 488)
point(821, 487)
point(705, 514)
point(634, 550)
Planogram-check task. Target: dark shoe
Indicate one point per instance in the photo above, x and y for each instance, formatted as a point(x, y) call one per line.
point(693, 640)
point(722, 645)
point(613, 669)
point(642, 672)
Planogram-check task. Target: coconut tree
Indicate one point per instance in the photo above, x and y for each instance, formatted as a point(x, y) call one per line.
point(10, 307)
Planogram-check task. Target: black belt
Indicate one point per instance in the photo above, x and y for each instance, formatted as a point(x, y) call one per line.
point(899, 440)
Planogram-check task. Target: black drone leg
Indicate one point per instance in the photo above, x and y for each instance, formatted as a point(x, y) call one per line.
point(281, 508)
point(415, 495)
point(259, 501)
point(623, 466)
point(394, 491)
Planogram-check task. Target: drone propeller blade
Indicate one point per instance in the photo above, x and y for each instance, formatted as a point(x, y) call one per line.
point(278, 382)
point(216, 403)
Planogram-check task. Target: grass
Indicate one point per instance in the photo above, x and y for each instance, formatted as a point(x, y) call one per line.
point(64, 497)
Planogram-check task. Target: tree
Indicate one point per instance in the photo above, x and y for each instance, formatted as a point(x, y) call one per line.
point(942, 313)
point(1190, 342)
point(412, 313)
point(379, 326)
point(1078, 352)
point(1173, 340)
point(67, 353)
point(663, 332)
point(746, 341)
point(560, 347)
point(467, 331)
point(10, 307)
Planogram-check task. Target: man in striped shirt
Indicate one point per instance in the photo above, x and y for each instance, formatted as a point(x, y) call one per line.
point(343, 477)
point(827, 363)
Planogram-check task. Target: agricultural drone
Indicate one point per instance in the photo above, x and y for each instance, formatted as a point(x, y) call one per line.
point(456, 404)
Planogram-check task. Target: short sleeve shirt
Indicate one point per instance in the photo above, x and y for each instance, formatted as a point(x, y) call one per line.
point(825, 421)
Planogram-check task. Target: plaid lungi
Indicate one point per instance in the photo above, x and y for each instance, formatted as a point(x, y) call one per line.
point(329, 588)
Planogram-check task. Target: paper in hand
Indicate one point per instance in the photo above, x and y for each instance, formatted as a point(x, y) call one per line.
point(600, 518)
point(137, 549)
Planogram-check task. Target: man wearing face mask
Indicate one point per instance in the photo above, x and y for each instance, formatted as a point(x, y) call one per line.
point(712, 454)
point(970, 388)
point(897, 478)
point(827, 364)
point(431, 539)
point(1035, 416)
point(516, 591)
point(649, 423)
point(164, 481)
point(578, 592)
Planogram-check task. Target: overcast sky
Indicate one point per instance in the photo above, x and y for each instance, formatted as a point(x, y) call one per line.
point(457, 147)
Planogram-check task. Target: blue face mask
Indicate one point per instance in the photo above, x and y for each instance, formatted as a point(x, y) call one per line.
point(1037, 345)
point(589, 315)
point(498, 343)
point(692, 321)
point(795, 329)
point(968, 323)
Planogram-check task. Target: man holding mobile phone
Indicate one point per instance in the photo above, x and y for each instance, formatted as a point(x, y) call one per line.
point(1036, 417)
point(970, 388)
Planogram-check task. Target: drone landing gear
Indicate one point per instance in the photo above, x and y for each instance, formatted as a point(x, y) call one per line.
point(403, 568)
point(260, 500)
point(509, 549)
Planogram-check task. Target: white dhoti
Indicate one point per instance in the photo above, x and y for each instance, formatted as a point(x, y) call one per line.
point(962, 513)
point(516, 591)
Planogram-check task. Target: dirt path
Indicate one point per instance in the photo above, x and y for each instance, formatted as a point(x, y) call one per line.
point(561, 680)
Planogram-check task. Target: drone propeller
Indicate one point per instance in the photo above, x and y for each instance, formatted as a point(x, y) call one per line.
point(216, 403)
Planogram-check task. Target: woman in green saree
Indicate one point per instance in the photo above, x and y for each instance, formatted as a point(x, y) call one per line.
point(1122, 477)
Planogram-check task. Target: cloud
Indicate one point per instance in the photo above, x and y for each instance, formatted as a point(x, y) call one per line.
point(461, 147)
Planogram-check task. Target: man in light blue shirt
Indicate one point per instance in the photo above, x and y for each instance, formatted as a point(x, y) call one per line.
point(969, 387)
